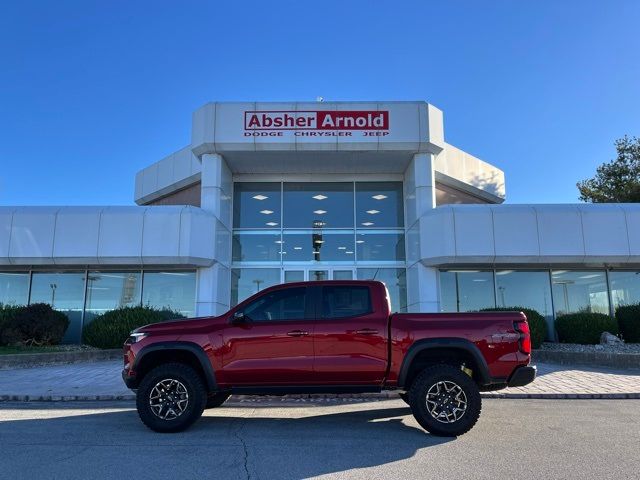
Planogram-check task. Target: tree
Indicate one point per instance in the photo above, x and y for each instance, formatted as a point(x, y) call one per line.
point(617, 180)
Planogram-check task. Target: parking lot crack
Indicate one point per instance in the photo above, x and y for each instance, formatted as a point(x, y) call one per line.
point(238, 435)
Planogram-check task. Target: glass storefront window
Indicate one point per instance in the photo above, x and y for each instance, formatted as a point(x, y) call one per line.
point(14, 288)
point(110, 290)
point(318, 246)
point(625, 287)
point(577, 291)
point(380, 246)
point(318, 205)
point(524, 289)
point(171, 290)
point(466, 290)
point(529, 289)
point(396, 281)
point(256, 205)
point(65, 293)
point(248, 281)
point(379, 205)
point(256, 247)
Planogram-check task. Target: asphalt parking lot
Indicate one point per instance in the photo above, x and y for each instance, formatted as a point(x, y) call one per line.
point(331, 439)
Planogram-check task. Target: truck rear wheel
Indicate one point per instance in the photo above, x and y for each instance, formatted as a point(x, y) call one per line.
point(170, 398)
point(445, 401)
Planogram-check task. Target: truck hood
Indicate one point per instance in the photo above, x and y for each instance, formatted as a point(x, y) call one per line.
point(181, 326)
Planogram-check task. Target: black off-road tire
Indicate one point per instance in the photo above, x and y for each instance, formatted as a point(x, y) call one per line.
point(197, 397)
point(216, 400)
point(429, 379)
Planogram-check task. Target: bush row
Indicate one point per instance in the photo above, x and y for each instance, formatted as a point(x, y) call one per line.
point(31, 325)
point(111, 329)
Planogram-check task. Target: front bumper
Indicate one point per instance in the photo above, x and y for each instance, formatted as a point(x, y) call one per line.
point(129, 380)
point(522, 376)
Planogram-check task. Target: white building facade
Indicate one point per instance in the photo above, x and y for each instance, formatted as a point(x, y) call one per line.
point(277, 192)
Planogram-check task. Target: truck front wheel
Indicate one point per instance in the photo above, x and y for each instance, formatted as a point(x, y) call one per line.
point(445, 401)
point(170, 397)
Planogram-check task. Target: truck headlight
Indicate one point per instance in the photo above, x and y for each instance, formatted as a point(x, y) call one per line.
point(135, 337)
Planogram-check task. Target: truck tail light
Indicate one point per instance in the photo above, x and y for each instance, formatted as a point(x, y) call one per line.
point(522, 327)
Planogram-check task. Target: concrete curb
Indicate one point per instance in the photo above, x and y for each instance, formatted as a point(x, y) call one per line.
point(25, 360)
point(595, 359)
point(240, 399)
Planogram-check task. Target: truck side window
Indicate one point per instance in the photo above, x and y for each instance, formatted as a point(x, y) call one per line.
point(285, 304)
point(345, 301)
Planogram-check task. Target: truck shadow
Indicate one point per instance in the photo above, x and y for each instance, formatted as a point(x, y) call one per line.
point(248, 443)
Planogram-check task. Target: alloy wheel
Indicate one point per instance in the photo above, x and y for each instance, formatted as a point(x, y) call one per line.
point(168, 399)
point(446, 401)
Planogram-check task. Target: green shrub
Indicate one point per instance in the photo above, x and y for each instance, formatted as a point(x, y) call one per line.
point(35, 324)
point(112, 328)
point(6, 313)
point(628, 317)
point(584, 327)
point(537, 323)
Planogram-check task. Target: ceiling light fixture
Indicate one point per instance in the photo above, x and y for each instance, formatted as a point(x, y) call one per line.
point(266, 212)
point(373, 212)
point(379, 197)
point(319, 212)
point(319, 197)
point(367, 224)
point(260, 197)
point(359, 241)
point(271, 224)
point(342, 248)
point(349, 252)
point(297, 248)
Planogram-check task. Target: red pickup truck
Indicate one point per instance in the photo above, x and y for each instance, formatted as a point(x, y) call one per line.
point(327, 337)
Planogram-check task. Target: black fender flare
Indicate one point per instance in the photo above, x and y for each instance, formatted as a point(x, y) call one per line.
point(445, 343)
point(190, 347)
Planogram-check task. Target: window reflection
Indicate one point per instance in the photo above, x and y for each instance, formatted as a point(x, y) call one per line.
point(625, 287)
point(14, 288)
point(379, 205)
point(256, 247)
point(64, 292)
point(110, 290)
point(318, 246)
point(472, 290)
point(171, 290)
point(312, 205)
point(256, 205)
point(578, 291)
point(380, 246)
point(396, 281)
point(248, 281)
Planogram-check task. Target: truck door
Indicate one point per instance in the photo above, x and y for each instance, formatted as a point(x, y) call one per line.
point(274, 344)
point(350, 338)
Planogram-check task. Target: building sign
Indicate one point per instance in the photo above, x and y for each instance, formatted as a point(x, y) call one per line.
point(316, 123)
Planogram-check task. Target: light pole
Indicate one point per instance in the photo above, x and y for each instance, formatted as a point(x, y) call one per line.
point(53, 287)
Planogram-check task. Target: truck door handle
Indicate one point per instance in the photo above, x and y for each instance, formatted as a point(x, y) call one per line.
point(297, 333)
point(367, 331)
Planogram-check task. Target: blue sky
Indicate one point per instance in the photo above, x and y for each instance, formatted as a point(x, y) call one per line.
point(91, 92)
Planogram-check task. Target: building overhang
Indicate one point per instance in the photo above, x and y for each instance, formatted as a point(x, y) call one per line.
point(144, 236)
point(536, 236)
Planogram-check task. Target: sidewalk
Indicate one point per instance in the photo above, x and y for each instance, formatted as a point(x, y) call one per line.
point(102, 381)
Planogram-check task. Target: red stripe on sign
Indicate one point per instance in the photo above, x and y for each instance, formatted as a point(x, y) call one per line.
point(353, 120)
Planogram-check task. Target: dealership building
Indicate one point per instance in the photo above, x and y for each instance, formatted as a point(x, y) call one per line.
point(266, 193)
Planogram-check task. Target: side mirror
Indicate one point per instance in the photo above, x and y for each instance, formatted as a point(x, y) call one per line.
point(239, 317)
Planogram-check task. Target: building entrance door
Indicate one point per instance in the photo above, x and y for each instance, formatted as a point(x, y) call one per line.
point(300, 274)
